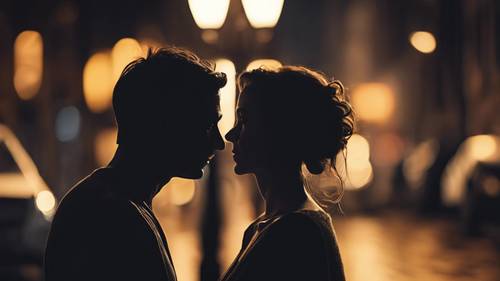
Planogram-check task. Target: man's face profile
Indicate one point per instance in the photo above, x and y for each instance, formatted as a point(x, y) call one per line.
point(184, 139)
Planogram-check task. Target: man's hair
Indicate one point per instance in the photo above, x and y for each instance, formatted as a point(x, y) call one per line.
point(167, 82)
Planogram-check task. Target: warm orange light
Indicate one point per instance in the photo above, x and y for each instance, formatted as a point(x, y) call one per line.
point(265, 63)
point(124, 51)
point(423, 41)
point(28, 64)
point(180, 191)
point(147, 43)
point(105, 146)
point(45, 202)
point(209, 14)
point(359, 171)
point(98, 82)
point(263, 13)
point(227, 95)
point(481, 147)
point(359, 177)
point(373, 102)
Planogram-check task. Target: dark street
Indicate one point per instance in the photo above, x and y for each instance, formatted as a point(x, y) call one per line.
point(400, 246)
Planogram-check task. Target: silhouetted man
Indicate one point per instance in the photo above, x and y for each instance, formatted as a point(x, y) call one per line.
point(167, 108)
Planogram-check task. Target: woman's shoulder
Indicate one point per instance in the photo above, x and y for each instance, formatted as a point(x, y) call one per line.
point(304, 219)
point(300, 226)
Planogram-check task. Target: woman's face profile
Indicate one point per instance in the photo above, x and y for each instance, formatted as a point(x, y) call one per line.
point(250, 148)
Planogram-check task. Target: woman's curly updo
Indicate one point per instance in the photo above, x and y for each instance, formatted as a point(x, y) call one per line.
point(308, 116)
point(306, 111)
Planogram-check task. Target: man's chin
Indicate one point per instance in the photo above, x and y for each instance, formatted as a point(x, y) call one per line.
point(194, 175)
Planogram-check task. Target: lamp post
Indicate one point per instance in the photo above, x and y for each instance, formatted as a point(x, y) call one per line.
point(210, 16)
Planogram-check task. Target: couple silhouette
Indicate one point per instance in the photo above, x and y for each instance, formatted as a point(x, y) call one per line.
point(167, 108)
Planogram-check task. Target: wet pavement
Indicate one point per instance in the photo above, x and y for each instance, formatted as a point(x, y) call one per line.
point(400, 246)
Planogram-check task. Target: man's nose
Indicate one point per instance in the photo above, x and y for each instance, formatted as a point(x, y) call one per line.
point(219, 141)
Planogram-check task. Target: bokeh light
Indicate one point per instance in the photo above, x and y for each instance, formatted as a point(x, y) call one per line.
point(67, 124)
point(105, 145)
point(28, 64)
point(209, 14)
point(227, 95)
point(266, 63)
point(263, 13)
point(180, 191)
point(373, 102)
point(124, 51)
point(356, 169)
point(45, 202)
point(481, 147)
point(98, 82)
point(423, 41)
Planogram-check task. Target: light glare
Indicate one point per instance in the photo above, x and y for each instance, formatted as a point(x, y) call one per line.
point(45, 202)
point(209, 14)
point(28, 64)
point(97, 82)
point(263, 13)
point(423, 41)
point(227, 95)
point(264, 63)
point(373, 102)
point(180, 191)
point(124, 51)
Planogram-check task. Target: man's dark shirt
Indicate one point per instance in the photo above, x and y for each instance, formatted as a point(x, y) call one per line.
point(98, 235)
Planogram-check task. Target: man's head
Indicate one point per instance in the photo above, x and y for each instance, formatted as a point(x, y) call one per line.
point(167, 108)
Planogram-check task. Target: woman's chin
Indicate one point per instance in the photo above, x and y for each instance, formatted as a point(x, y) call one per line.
point(240, 170)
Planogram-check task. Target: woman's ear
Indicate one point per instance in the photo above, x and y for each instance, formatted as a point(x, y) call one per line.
point(315, 167)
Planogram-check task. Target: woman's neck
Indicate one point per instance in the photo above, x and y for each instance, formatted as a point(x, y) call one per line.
point(283, 191)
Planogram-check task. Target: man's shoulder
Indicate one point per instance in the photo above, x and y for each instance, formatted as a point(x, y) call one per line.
point(91, 198)
point(88, 191)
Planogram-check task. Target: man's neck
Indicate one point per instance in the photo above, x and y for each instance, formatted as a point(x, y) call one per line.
point(134, 178)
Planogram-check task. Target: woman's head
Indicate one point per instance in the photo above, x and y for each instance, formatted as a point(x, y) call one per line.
point(288, 117)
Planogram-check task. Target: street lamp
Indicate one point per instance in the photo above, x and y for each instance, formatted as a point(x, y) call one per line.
point(263, 13)
point(209, 14)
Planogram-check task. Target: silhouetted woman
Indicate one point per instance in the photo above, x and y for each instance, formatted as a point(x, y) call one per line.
point(288, 118)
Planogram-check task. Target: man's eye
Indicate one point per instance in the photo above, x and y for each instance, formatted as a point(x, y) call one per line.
point(211, 126)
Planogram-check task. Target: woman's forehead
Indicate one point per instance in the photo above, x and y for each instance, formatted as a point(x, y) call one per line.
point(247, 97)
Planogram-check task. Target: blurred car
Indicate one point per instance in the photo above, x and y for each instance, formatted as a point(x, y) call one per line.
point(418, 176)
point(471, 181)
point(26, 207)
